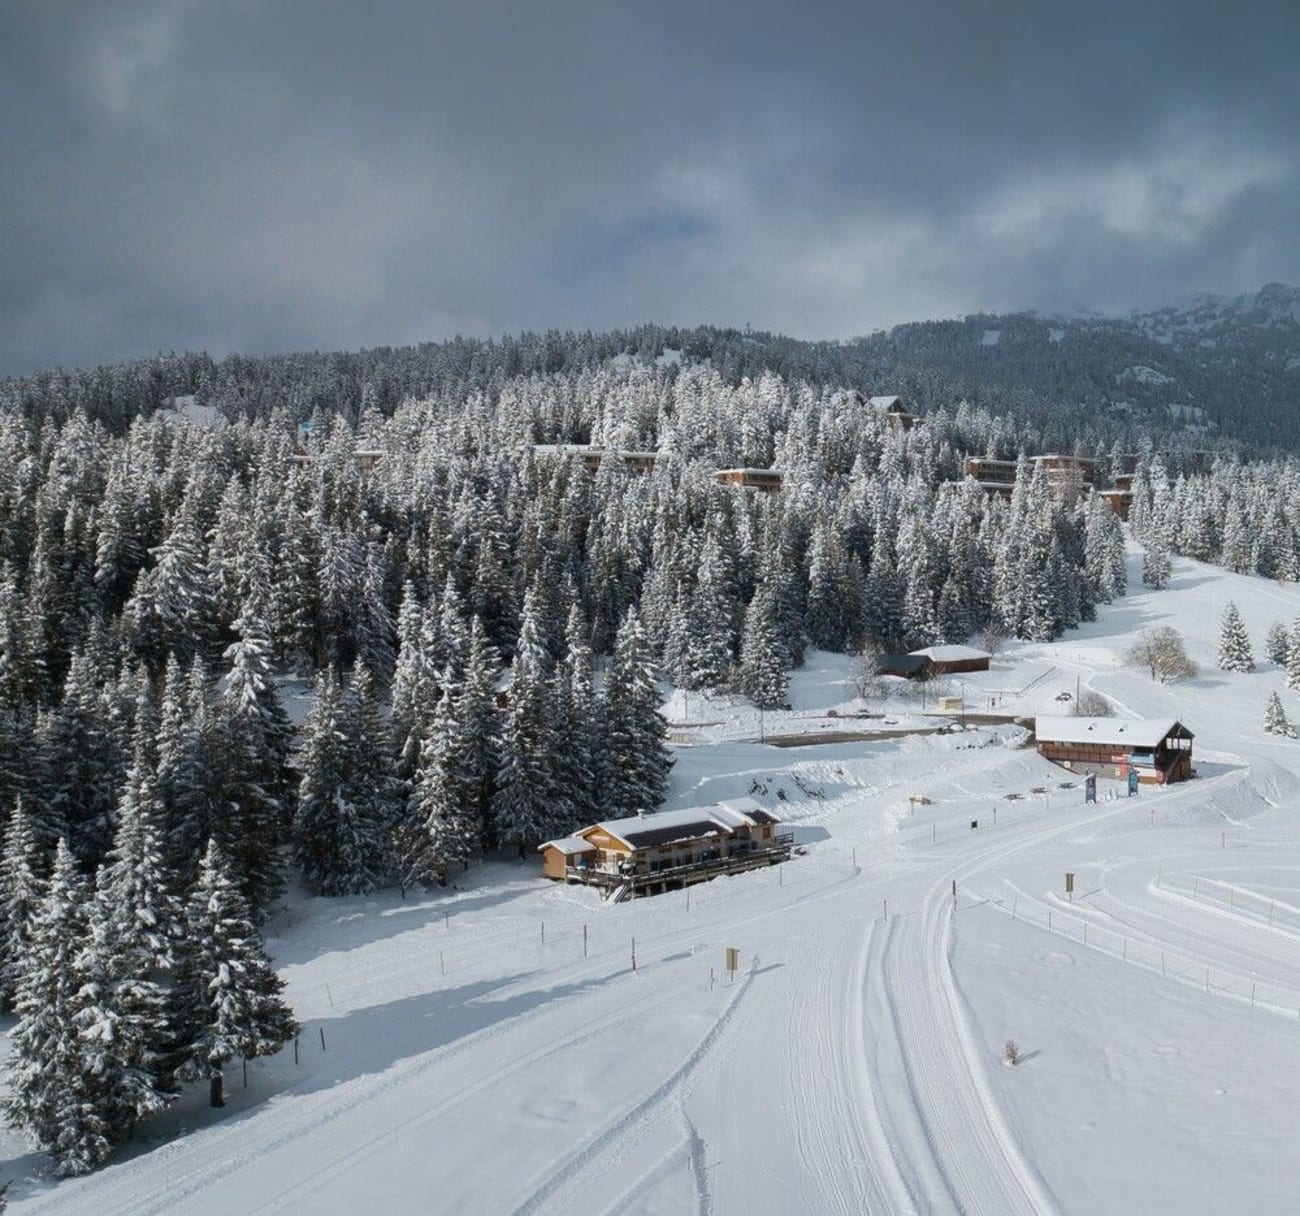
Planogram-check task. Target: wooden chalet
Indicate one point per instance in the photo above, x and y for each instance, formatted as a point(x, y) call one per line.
point(591, 455)
point(768, 481)
point(895, 410)
point(1160, 750)
point(1067, 472)
point(1065, 475)
point(366, 458)
point(953, 660)
point(994, 476)
point(1119, 501)
point(653, 852)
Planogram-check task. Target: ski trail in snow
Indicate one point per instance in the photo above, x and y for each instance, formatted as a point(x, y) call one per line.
point(575, 1175)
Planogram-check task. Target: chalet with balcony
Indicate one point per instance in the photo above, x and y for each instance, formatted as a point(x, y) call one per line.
point(994, 476)
point(591, 455)
point(1160, 750)
point(653, 852)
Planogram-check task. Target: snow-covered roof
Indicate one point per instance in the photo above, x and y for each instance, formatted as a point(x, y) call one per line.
point(744, 811)
point(886, 403)
point(952, 654)
point(568, 845)
point(1137, 732)
point(689, 823)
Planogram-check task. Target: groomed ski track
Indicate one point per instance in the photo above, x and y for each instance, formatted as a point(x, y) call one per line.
point(849, 1024)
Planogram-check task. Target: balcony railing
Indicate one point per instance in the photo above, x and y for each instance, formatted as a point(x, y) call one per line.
point(640, 873)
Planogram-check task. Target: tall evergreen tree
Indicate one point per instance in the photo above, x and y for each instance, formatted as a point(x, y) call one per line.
point(1277, 646)
point(255, 737)
point(55, 1095)
point(1275, 720)
point(1234, 644)
point(636, 761)
point(1293, 659)
point(22, 886)
point(445, 828)
point(522, 808)
point(234, 1004)
point(762, 665)
point(136, 923)
point(339, 840)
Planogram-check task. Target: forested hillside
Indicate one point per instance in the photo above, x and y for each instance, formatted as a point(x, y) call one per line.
point(1215, 370)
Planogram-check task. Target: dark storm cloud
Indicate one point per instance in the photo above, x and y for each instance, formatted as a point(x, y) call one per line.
point(267, 176)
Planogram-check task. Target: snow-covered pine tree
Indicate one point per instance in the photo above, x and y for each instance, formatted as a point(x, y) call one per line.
point(762, 663)
point(81, 757)
point(338, 841)
point(477, 711)
point(55, 1096)
point(636, 762)
point(444, 829)
point(378, 792)
point(522, 807)
point(233, 999)
point(575, 769)
point(1277, 645)
point(136, 921)
point(22, 887)
point(1275, 720)
point(411, 686)
point(1234, 643)
point(1293, 659)
point(255, 738)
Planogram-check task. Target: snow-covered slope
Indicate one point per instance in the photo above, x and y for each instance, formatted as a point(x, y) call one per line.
point(493, 1049)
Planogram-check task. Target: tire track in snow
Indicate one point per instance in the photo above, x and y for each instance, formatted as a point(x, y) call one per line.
point(246, 1141)
point(828, 1080)
point(574, 1176)
point(939, 1119)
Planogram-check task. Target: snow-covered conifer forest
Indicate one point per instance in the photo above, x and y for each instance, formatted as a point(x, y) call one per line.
point(246, 679)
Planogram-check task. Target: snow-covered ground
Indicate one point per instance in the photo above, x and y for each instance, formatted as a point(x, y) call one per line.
point(493, 1048)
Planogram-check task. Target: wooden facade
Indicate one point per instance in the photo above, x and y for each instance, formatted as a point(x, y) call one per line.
point(1119, 501)
point(1160, 752)
point(895, 410)
point(768, 481)
point(652, 853)
point(954, 660)
point(591, 456)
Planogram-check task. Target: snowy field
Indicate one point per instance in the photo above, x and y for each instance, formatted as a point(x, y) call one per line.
point(494, 1049)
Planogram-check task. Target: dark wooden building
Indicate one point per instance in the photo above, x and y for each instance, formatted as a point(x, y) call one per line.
point(908, 666)
point(1160, 750)
point(953, 660)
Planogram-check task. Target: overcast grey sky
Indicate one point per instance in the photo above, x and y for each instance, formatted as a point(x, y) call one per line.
point(257, 175)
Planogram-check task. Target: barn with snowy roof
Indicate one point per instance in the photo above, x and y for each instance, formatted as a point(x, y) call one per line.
point(658, 851)
point(952, 660)
point(1159, 749)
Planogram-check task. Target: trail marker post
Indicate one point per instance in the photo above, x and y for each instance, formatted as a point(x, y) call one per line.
point(1069, 887)
point(733, 963)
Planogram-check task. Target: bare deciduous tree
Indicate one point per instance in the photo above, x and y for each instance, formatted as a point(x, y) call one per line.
point(1091, 704)
point(1161, 651)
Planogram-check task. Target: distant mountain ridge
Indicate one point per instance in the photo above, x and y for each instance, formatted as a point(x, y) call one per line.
point(1213, 370)
point(1216, 366)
